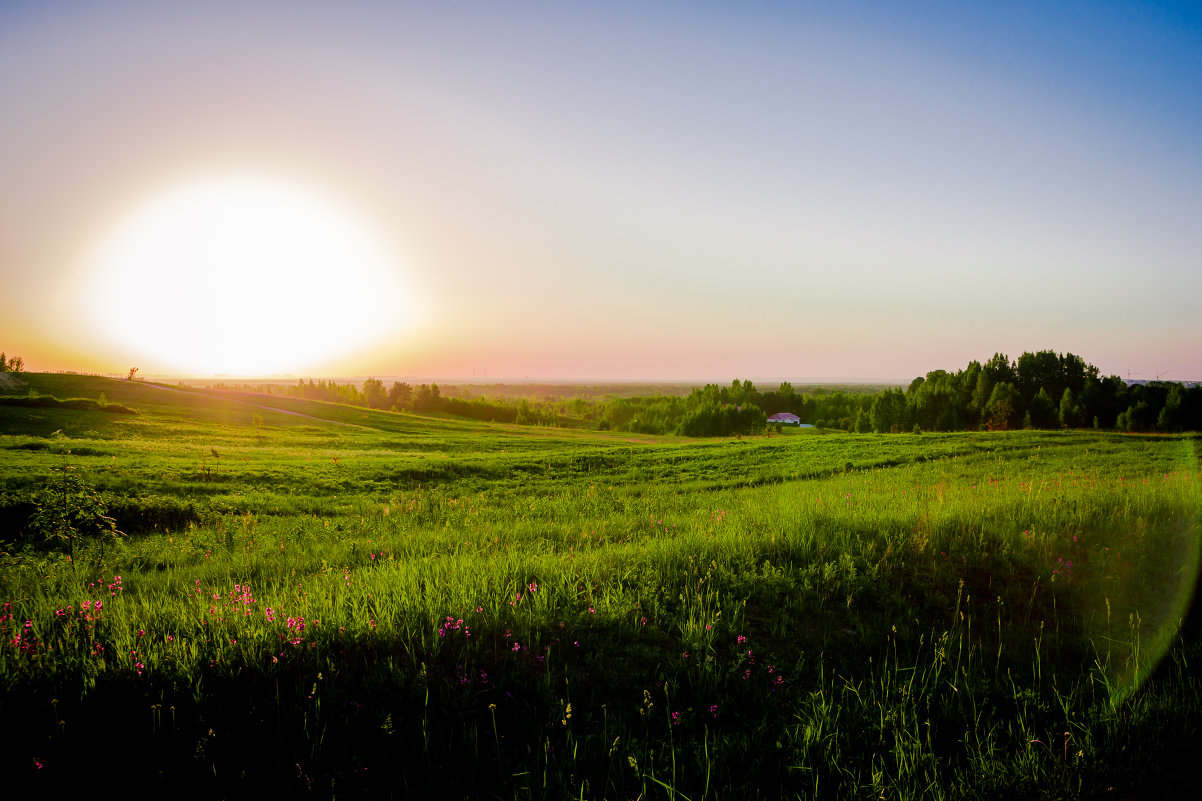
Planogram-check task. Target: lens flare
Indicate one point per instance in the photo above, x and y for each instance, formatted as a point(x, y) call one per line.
point(1151, 606)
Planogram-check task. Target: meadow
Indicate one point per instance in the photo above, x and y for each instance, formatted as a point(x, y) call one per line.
point(316, 600)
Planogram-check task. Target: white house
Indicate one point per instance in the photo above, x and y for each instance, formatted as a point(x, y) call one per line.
point(787, 418)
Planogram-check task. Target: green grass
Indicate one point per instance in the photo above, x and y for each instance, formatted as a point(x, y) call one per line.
point(788, 616)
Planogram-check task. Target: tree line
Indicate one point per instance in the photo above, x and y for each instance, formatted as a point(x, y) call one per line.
point(1038, 390)
point(429, 398)
point(709, 411)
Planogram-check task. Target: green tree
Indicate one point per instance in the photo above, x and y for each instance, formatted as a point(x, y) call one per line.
point(1072, 413)
point(742, 392)
point(1043, 410)
point(374, 394)
point(999, 369)
point(421, 399)
point(889, 412)
point(67, 511)
point(400, 396)
point(982, 390)
point(1076, 373)
point(1004, 409)
point(1037, 371)
point(1171, 416)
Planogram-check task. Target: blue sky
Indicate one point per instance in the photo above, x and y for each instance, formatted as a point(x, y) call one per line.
point(852, 191)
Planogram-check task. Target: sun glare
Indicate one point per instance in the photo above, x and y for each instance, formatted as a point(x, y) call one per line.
point(242, 275)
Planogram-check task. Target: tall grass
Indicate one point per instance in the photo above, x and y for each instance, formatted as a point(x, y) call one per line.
point(1000, 617)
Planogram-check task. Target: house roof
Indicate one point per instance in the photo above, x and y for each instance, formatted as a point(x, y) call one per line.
point(784, 417)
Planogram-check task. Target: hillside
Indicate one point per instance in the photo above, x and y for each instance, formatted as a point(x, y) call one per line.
point(258, 592)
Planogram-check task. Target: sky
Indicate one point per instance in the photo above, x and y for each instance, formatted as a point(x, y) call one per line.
point(600, 191)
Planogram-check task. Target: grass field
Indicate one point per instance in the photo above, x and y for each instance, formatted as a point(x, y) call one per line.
point(316, 600)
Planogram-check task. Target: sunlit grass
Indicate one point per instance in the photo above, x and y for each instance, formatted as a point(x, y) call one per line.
point(913, 616)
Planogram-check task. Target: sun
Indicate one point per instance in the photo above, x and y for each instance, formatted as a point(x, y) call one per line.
point(242, 275)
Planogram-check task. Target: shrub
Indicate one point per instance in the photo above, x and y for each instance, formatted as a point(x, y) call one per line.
point(66, 510)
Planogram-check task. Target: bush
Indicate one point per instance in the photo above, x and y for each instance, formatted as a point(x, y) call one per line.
point(66, 510)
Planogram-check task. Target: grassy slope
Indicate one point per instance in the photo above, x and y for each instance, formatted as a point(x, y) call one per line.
point(845, 561)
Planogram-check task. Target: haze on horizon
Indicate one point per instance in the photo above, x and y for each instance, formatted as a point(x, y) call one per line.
point(853, 191)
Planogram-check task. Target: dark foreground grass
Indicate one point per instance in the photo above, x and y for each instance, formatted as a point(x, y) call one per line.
point(548, 617)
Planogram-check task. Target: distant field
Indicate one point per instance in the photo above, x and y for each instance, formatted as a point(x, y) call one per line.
point(321, 599)
point(516, 390)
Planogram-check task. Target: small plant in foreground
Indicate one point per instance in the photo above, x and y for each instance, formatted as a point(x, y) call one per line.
point(67, 510)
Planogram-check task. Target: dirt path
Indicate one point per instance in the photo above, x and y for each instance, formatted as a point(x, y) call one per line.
point(309, 416)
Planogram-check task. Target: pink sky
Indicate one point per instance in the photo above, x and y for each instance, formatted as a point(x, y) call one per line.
point(652, 192)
